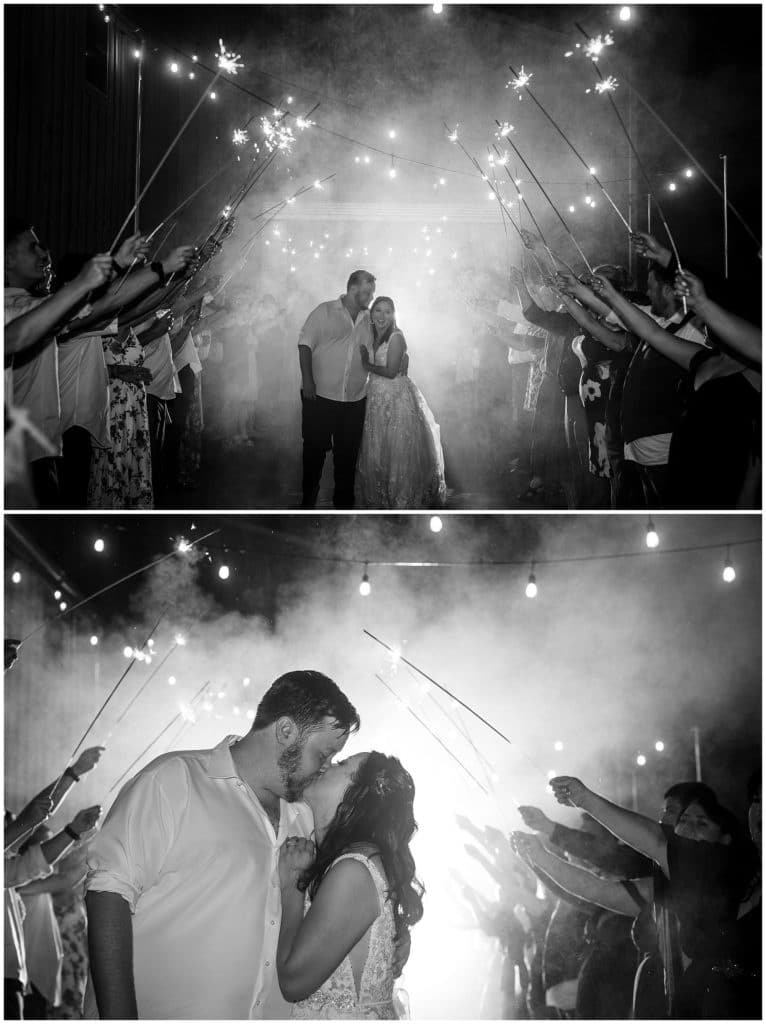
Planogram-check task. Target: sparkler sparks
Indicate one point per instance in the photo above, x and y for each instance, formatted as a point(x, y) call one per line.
point(240, 137)
point(505, 129)
point(607, 85)
point(303, 122)
point(452, 136)
point(228, 61)
point(521, 80)
point(278, 136)
point(596, 45)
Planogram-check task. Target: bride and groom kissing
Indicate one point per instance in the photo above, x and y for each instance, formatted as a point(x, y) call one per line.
point(359, 401)
point(259, 879)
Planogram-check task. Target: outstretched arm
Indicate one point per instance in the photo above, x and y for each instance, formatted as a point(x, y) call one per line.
point(676, 349)
point(615, 340)
point(310, 948)
point(641, 833)
point(744, 337)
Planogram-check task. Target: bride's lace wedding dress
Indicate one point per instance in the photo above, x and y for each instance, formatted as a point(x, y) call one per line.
point(401, 463)
point(338, 998)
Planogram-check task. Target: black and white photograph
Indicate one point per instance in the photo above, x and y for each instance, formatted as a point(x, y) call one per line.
point(383, 256)
point(382, 516)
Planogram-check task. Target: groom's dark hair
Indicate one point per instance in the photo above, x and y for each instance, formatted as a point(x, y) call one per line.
point(360, 277)
point(307, 697)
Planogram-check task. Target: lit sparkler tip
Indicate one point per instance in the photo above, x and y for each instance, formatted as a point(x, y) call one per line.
point(505, 129)
point(303, 122)
point(607, 85)
point(228, 61)
point(521, 80)
point(318, 184)
point(597, 44)
point(452, 136)
point(240, 137)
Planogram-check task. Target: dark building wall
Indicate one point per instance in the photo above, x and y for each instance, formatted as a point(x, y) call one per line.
point(70, 116)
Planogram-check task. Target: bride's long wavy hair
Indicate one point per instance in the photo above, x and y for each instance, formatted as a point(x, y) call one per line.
point(380, 340)
point(377, 808)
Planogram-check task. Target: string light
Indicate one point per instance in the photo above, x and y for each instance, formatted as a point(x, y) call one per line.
point(171, 680)
point(224, 572)
point(150, 642)
point(180, 639)
point(246, 681)
point(94, 640)
point(659, 746)
point(531, 588)
point(436, 524)
point(63, 606)
point(57, 595)
point(183, 546)
point(558, 745)
point(137, 54)
point(392, 169)
point(672, 186)
point(641, 760)
point(437, 8)
point(174, 68)
point(16, 577)
point(729, 575)
point(392, 134)
point(364, 586)
point(571, 209)
point(127, 652)
point(625, 13)
point(98, 545)
point(652, 537)
point(688, 173)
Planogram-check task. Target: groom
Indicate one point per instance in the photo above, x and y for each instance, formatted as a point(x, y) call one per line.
point(334, 386)
point(183, 892)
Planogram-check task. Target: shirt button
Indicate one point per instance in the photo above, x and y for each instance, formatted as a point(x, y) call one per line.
point(273, 922)
point(268, 963)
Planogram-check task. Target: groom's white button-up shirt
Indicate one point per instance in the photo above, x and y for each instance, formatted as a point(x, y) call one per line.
point(190, 848)
point(334, 339)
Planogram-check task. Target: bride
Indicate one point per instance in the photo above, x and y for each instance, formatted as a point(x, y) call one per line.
point(401, 464)
point(358, 890)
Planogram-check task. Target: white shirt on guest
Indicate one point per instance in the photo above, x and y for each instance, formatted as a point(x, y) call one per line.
point(45, 951)
point(84, 385)
point(33, 382)
point(189, 847)
point(158, 357)
point(334, 339)
point(19, 870)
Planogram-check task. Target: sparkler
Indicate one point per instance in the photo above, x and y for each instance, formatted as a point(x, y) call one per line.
point(226, 62)
point(430, 732)
point(596, 45)
point(114, 690)
point(146, 683)
point(579, 157)
point(171, 723)
point(505, 129)
point(240, 137)
point(520, 81)
point(608, 84)
point(111, 586)
point(552, 204)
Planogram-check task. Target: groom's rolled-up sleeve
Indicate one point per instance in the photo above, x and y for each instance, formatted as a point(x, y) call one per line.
point(310, 332)
point(127, 854)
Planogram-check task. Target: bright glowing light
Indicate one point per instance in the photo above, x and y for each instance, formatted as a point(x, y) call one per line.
point(392, 134)
point(278, 135)
point(597, 44)
point(183, 546)
point(137, 54)
point(521, 80)
point(107, 19)
point(98, 545)
point(195, 58)
point(505, 129)
point(171, 680)
point(191, 75)
point(302, 123)
point(364, 587)
point(659, 746)
point(228, 61)
point(531, 589)
point(652, 537)
point(150, 642)
point(186, 712)
point(491, 195)
point(174, 68)
point(63, 606)
point(392, 172)
point(641, 760)
point(250, 713)
point(688, 173)
point(552, 774)
point(729, 575)
point(442, 181)
point(609, 84)
point(57, 594)
point(558, 745)
point(591, 170)
point(452, 136)
point(437, 8)
point(569, 53)
point(94, 640)
point(625, 14)
point(436, 524)
point(212, 95)
point(357, 159)
point(139, 655)
point(16, 577)
point(128, 652)
point(318, 184)
point(571, 209)
point(180, 639)
point(289, 99)
point(246, 681)
point(240, 137)
point(148, 659)
point(224, 572)
point(672, 186)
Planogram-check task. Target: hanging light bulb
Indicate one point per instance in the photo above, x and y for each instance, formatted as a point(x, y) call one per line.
point(171, 680)
point(659, 746)
point(531, 589)
point(729, 575)
point(625, 13)
point(94, 641)
point(558, 745)
point(16, 577)
point(224, 572)
point(672, 186)
point(364, 586)
point(652, 537)
point(98, 545)
point(392, 169)
point(436, 524)
point(63, 605)
point(641, 760)
point(57, 595)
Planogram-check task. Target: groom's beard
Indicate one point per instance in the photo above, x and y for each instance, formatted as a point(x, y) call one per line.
point(289, 767)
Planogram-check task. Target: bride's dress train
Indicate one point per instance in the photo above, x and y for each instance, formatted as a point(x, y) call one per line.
point(401, 463)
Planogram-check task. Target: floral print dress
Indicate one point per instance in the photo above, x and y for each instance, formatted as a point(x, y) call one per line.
point(121, 476)
point(595, 385)
point(70, 913)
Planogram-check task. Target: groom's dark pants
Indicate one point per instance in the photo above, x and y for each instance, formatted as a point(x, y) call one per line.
point(337, 426)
